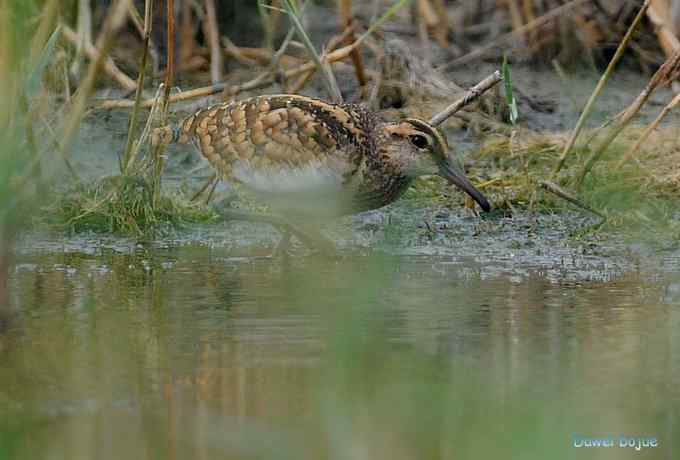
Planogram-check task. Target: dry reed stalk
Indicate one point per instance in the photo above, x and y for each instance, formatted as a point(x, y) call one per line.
point(93, 54)
point(516, 17)
point(45, 29)
point(165, 102)
point(233, 51)
point(211, 30)
point(558, 191)
point(538, 22)
point(114, 20)
point(598, 89)
point(137, 20)
point(268, 42)
point(424, 38)
point(294, 15)
point(281, 52)
point(345, 9)
point(275, 16)
point(441, 31)
point(84, 32)
point(528, 10)
point(300, 83)
point(132, 128)
point(659, 13)
point(260, 81)
point(469, 96)
point(669, 70)
point(187, 44)
point(330, 47)
point(427, 13)
point(648, 130)
point(260, 56)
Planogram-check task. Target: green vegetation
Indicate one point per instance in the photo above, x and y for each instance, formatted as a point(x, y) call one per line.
point(123, 204)
point(510, 164)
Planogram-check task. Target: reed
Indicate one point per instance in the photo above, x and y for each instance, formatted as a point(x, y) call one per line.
point(134, 115)
point(600, 86)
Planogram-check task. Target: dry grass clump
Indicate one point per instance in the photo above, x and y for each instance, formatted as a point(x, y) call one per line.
point(512, 170)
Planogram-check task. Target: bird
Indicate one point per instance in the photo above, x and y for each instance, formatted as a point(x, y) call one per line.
point(310, 160)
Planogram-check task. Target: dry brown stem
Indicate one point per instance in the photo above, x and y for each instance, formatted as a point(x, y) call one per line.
point(648, 130)
point(557, 191)
point(441, 31)
point(260, 81)
point(666, 72)
point(186, 32)
point(538, 22)
point(345, 8)
point(213, 33)
point(471, 95)
point(132, 127)
point(114, 20)
point(261, 56)
point(157, 154)
point(94, 54)
point(598, 89)
point(660, 15)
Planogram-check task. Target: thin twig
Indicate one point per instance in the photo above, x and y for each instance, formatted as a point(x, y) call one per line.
point(346, 18)
point(260, 81)
point(93, 53)
point(332, 45)
point(645, 134)
point(472, 94)
point(557, 191)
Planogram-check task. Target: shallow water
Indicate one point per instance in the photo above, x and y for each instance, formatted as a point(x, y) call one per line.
point(436, 334)
point(202, 346)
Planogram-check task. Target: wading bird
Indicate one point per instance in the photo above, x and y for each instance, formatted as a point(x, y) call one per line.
point(311, 160)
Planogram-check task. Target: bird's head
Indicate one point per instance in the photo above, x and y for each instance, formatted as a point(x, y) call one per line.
point(419, 149)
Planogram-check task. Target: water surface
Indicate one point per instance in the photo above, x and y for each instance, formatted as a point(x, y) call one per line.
point(196, 348)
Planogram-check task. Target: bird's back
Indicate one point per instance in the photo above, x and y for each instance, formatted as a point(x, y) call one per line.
point(282, 143)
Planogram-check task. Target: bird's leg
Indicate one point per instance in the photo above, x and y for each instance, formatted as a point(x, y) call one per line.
point(284, 244)
point(310, 237)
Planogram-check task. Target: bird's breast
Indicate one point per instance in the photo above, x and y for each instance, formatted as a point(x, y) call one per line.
point(318, 188)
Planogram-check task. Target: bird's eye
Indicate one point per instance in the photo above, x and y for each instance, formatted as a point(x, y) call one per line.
point(419, 141)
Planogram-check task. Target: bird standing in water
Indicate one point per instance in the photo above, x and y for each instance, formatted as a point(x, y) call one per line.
point(310, 160)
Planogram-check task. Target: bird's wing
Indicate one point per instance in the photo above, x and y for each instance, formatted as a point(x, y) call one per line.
point(279, 143)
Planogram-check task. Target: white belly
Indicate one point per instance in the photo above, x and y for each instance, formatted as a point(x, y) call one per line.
point(313, 189)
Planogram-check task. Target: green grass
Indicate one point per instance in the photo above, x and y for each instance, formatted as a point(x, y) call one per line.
point(123, 205)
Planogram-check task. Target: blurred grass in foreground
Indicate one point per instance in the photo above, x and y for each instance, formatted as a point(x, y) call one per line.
point(366, 358)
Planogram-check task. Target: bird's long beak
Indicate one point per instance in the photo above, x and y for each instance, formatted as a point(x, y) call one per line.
point(457, 178)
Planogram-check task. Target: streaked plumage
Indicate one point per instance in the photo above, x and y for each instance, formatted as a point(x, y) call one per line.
point(307, 157)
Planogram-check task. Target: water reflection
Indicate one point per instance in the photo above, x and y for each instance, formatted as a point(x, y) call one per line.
point(189, 352)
